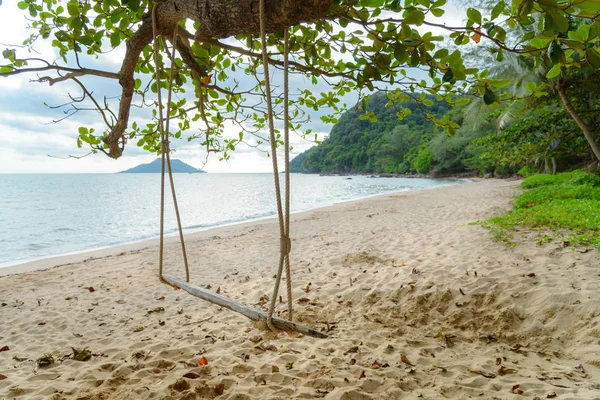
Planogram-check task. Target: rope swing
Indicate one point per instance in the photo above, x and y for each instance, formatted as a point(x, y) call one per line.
point(283, 213)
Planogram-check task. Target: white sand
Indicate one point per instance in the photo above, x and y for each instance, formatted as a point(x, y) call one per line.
point(393, 279)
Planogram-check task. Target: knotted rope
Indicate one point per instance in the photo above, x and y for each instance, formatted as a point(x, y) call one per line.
point(165, 151)
point(284, 220)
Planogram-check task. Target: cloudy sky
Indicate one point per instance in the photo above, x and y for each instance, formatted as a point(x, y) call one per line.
point(31, 143)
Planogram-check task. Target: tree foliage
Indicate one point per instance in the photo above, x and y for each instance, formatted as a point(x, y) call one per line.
point(351, 45)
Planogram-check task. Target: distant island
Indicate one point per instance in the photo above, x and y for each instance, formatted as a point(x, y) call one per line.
point(177, 166)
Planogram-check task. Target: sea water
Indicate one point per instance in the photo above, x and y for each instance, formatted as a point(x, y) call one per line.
point(43, 215)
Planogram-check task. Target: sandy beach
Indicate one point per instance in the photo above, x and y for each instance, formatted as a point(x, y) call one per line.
point(418, 303)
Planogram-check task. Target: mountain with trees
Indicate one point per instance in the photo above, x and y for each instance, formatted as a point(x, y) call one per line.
point(376, 136)
point(177, 166)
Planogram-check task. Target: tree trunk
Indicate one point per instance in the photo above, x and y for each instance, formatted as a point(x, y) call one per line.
point(562, 91)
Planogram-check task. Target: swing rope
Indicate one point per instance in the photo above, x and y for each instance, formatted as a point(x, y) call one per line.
point(283, 214)
point(165, 151)
point(284, 221)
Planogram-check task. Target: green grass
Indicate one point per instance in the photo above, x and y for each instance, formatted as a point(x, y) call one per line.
point(542, 194)
point(568, 204)
point(577, 177)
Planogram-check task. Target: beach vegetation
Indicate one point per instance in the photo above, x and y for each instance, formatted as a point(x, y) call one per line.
point(565, 205)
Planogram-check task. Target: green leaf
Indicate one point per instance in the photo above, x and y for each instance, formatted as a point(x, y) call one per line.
point(427, 102)
point(73, 9)
point(584, 31)
point(415, 17)
point(498, 8)
point(489, 97)
point(554, 72)
point(438, 12)
point(448, 76)
point(22, 5)
point(593, 58)
point(115, 39)
point(474, 15)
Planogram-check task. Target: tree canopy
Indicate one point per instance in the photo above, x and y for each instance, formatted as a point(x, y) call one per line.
point(350, 45)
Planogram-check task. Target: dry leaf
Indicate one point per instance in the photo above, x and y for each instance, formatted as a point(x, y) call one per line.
point(353, 349)
point(363, 375)
point(498, 360)
point(120, 301)
point(482, 373)
point(505, 371)
point(255, 339)
point(551, 395)
point(307, 288)
point(274, 368)
point(289, 365)
point(477, 35)
point(2, 377)
point(376, 365)
point(139, 329)
point(91, 289)
point(5, 348)
point(404, 359)
point(303, 300)
point(516, 389)
point(219, 388)
point(16, 358)
point(191, 375)
point(41, 323)
point(530, 275)
point(461, 291)
point(203, 361)
point(219, 290)
point(161, 298)
point(157, 310)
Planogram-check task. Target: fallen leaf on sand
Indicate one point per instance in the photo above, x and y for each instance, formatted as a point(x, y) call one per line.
point(2, 377)
point(376, 365)
point(303, 300)
point(16, 358)
point(255, 339)
point(191, 375)
point(219, 389)
point(551, 395)
point(516, 389)
point(139, 329)
point(203, 361)
point(161, 298)
point(505, 371)
point(157, 310)
point(91, 289)
point(5, 348)
point(219, 290)
point(362, 375)
point(482, 373)
point(41, 323)
point(353, 349)
point(120, 301)
point(529, 275)
point(404, 359)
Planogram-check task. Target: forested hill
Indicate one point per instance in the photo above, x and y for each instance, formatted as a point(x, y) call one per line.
point(389, 144)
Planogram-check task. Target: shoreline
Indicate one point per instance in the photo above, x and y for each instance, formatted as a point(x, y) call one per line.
point(54, 261)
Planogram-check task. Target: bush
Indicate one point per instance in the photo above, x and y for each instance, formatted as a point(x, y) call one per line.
point(548, 193)
point(526, 171)
point(422, 162)
point(569, 202)
point(564, 177)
